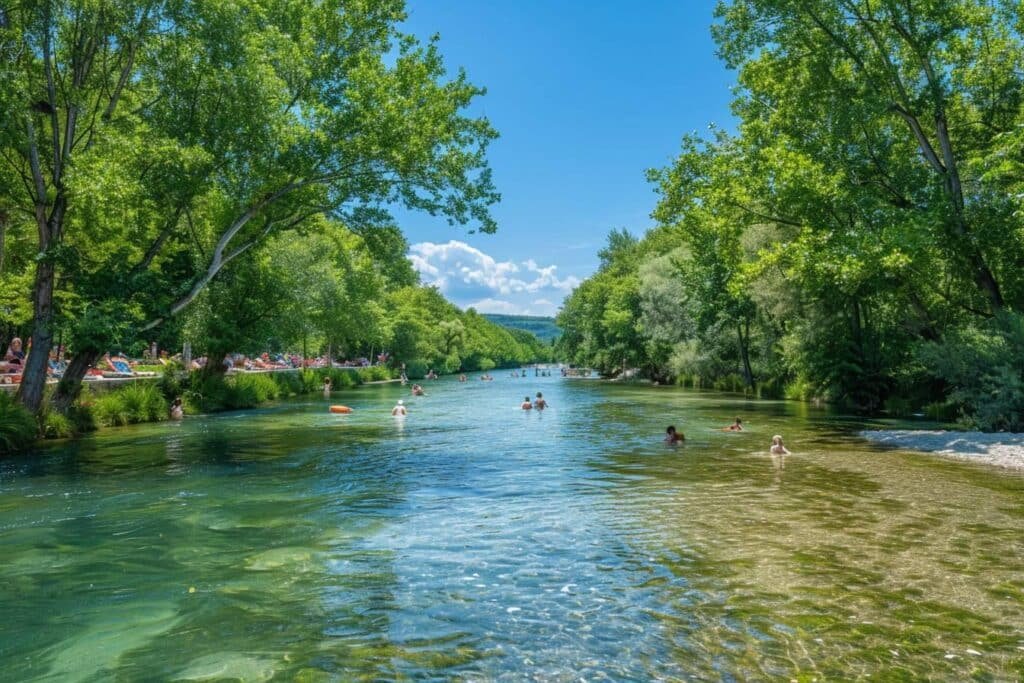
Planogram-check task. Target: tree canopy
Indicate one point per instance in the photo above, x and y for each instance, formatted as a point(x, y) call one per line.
point(862, 222)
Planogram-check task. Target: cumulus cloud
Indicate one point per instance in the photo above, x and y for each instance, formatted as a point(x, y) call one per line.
point(471, 277)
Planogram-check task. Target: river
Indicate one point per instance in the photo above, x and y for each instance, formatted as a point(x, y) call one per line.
point(475, 541)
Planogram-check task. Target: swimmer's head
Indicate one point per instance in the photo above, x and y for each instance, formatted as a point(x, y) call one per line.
point(671, 430)
point(401, 402)
point(540, 395)
point(776, 440)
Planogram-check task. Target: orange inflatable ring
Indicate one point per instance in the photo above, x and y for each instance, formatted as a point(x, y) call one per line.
point(340, 409)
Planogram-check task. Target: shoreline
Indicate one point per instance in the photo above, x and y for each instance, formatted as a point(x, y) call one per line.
point(997, 449)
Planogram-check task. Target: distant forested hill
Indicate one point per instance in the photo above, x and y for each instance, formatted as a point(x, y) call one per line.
point(544, 328)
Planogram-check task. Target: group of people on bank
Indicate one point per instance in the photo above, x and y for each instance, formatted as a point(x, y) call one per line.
point(674, 437)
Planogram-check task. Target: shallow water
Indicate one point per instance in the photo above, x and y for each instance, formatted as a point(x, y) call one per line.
point(473, 541)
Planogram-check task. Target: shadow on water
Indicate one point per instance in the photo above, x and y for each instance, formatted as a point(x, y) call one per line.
point(476, 541)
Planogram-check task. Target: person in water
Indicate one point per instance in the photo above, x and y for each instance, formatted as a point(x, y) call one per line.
point(399, 409)
point(736, 426)
point(673, 437)
point(177, 410)
point(540, 403)
point(327, 387)
point(462, 378)
point(777, 446)
point(417, 390)
point(527, 404)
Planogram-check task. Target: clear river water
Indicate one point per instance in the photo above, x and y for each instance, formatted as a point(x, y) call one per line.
point(473, 541)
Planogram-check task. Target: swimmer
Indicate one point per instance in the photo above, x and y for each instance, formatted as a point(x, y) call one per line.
point(540, 403)
point(736, 426)
point(672, 437)
point(462, 378)
point(327, 387)
point(527, 405)
point(417, 390)
point(177, 410)
point(777, 447)
point(399, 409)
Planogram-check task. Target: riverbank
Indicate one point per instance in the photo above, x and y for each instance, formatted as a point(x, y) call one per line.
point(121, 402)
point(999, 449)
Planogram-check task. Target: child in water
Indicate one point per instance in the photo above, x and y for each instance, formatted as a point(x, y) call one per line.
point(777, 447)
point(527, 405)
point(673, 437)
point(399, 409)
point(540, 403)
point(177, 410)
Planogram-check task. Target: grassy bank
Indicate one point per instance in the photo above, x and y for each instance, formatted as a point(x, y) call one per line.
point(149, 401)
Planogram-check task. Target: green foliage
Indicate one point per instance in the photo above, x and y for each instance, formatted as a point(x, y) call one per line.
point(18, 428)
point(135, 403)
point(56, 425)
point(416, 368)
point(984, 368)
point(374, 373)
point(206, 131)
point(857, 238)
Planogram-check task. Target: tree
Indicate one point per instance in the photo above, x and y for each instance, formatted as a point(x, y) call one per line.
point(223, 125)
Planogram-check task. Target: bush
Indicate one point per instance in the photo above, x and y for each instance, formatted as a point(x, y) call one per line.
point(249, 391)
point(56, 425)
point(417, 368)
point(137, 402)
point(82, 418)
point(207, 394)
point(984, 368)
point(375, 373)
point(18, 428)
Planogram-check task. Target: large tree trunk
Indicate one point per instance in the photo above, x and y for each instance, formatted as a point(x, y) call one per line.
point(70, 385)
point(33, 380)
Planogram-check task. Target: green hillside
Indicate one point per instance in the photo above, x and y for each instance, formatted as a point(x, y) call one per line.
point(544, 328)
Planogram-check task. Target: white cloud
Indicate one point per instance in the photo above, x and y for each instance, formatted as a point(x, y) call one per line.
point(470, 277)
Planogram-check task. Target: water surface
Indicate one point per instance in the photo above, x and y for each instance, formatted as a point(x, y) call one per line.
point(474, 541)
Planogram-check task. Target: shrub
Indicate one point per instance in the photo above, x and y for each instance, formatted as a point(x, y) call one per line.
point(82, 418)
point(290, 383)
point(207, 394)
point(897, 406)
point(417, 368)
point(56, 425)
point(137, 402)
point(249, 391)
point(984, 368)
point(375, 373)
point(18, 427)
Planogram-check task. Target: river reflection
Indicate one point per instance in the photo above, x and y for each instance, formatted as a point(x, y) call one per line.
point(475, 541)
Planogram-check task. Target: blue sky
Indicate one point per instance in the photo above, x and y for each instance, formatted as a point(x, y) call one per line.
point(586, 96)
